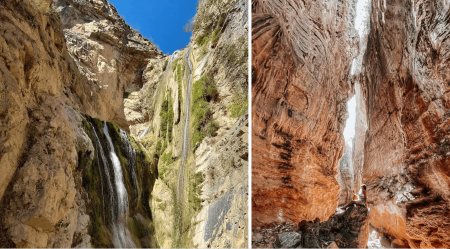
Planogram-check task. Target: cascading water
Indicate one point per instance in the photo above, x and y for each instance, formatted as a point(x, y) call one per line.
point(180, 182)
point(172, 57)
point(145, 132)
point(131, 162)
point(116, 204)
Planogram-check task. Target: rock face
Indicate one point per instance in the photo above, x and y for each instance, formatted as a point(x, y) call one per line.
point(44, 148)
point(301, 59)
point(40, 134)
point(223, 220)
point(62, 59)
point(109, 53)
point(349, 229)
point(405, 81)
point(213, 184)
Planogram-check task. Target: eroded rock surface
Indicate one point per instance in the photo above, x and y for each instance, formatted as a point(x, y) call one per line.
point(301, 59)
point(43, 94)
point(109, 53)
point(405, 80)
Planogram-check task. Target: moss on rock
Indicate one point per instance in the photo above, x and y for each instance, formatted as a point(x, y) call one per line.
point(139, 196)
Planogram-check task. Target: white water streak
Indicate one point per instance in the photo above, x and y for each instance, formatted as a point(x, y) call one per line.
point(121, 235)
point(185, 132)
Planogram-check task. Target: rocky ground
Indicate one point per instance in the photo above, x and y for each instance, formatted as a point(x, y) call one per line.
point(345, 229)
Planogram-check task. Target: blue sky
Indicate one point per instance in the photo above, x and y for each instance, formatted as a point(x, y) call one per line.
point(160, 21)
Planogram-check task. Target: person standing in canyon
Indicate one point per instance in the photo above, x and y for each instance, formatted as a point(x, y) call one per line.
point(362, 197)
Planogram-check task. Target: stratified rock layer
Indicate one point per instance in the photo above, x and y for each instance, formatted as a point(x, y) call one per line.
point(301, 58)
point(406, 84)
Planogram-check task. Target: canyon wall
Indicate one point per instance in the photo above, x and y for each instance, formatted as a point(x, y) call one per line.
point(405, 79)
point(301, 59)
point(44, 91)
point(62, 60)
point(40, 134)
point(213, 185)
point(110, 54)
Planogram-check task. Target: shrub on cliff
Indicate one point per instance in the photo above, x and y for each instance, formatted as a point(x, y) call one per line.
point(204, 91)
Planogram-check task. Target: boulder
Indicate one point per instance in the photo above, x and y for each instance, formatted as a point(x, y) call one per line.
point(332, 245)
point(347, 229)
point(289, 240)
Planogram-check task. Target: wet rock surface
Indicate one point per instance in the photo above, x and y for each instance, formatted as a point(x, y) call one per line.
point(349, 229)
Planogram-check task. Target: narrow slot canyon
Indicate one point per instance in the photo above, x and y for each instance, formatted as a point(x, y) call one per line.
point(349, 92)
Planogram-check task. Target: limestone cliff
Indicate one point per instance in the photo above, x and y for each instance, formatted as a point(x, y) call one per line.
point(201, 195)
point(301, 59)
point(109, 53)
point(66, 68)
point(40, 133)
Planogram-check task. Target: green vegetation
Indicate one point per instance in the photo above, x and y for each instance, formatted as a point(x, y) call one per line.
point(158, 147)
point(167, 157)
point(165, 64)
point(239, 105)
point(203, 91)
point(162, 170)
point(203, 39)
point(195, 191)
point(215, 34)
point(162, 206)
point(217, 30)
point(175, 63)
point(167, 116)
point(237, 53)
point(92, 183)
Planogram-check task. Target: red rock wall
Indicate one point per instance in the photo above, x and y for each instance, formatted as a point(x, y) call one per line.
point(406, 84)
point(301, 58)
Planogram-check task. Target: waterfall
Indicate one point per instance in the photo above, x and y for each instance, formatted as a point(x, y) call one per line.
point(168, 68)
point(131, 165)
point(116, 204)
point(145, 132)
point(180, 182)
